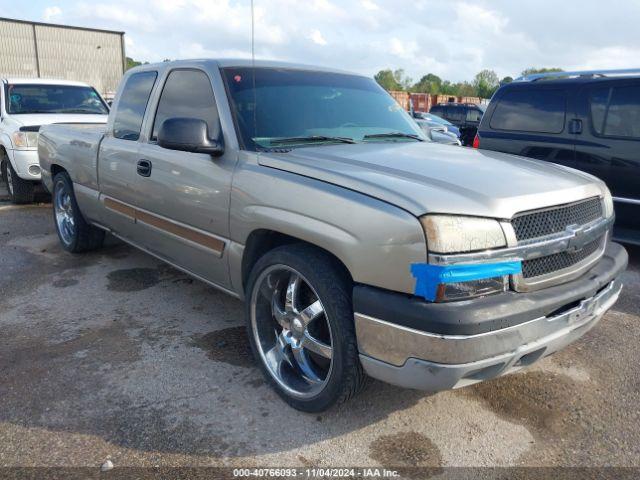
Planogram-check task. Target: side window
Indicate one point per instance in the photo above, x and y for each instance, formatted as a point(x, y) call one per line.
point(531, 110)
point(187, 93)
point(474, 115)
point(439, 111)
point(132, 105)
point(456, 114)
point(623, 115)
point(598, 101)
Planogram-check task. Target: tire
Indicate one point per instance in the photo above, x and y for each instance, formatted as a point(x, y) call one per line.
point(20, 191)
point(75, 234)
point(304, 372)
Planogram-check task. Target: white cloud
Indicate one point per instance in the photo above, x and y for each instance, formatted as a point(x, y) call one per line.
point(451, 38)
point(50, 14)
point(369, 5)
point(317, 38)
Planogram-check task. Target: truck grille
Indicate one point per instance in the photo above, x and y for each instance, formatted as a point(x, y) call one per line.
point(556, 219)
point(558, 261)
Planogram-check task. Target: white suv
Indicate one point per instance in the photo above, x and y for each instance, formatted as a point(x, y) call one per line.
point(25, 105)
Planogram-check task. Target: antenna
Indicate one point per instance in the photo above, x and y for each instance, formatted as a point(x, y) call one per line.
point(253, 69)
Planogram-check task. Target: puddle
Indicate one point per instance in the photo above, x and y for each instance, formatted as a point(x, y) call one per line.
point(65, 282)
point(132, 279)
point(406, 449)
point(547, 402)
point(229, 345)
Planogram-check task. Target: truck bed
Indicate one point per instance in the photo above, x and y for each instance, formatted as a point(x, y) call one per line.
point(76, 144)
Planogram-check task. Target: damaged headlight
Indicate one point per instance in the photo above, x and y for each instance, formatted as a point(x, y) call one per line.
point(450, 234)
point(458, 234)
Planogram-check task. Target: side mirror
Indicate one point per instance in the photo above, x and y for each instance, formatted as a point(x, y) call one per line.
point(189, 135)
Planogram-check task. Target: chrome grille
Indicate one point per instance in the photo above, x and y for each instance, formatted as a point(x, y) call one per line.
point(558, 261)
point(540, 223)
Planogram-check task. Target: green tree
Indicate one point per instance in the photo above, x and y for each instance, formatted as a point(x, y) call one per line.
point(506, 80)
point(429, 83)
point(464, 89)
point(404, 81)
point(387, 80)
point(486, 83)
point(132, 63)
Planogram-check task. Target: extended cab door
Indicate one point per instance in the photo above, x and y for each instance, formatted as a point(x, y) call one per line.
point(610, 142)
point(183, 197)
point(118, 155)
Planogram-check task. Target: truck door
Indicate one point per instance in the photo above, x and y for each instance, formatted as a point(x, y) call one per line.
point(610, 143)
point(183, 197)
point(118, 155)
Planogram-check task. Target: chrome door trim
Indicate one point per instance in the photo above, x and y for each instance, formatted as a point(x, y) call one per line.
point(191, 235)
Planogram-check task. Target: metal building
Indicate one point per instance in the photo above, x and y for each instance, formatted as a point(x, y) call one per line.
point(33, 49)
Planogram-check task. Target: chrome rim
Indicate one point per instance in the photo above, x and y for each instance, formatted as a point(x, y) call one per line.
point(291, 330)
point(9, 179)
point(64, 213)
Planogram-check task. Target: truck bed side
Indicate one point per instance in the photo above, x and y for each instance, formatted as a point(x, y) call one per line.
point(72, 147)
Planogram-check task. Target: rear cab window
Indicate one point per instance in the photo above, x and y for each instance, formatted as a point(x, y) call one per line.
point(132, 105)
point(539, 110)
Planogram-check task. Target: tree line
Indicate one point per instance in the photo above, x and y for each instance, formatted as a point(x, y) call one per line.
point(484, 84)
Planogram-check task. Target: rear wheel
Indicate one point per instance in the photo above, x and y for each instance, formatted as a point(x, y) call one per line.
point(20, 191)
point(301, 328)
point(75, 234)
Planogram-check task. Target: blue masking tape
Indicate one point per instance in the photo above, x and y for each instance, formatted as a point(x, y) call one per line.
point(428, 277)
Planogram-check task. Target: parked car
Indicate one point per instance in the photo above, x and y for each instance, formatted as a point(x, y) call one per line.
point(357, 246)
point(585, 120)
point(437, 133)
point(465, 116)
point(435, 121)
point(27, 104)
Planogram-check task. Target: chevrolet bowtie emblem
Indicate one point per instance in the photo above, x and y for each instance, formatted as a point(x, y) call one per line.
point(577, 242)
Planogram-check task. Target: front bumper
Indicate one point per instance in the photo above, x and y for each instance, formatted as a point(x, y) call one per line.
point(26, 164)
point(508, 333)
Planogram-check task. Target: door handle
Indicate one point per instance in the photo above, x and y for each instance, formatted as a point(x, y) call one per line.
point(575, 126)
point(144, 168)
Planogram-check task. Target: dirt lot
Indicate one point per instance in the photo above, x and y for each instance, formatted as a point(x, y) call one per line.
point(115, 355)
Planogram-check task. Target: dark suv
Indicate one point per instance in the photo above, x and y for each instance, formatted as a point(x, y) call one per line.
point(585, 120)
point(465, 116)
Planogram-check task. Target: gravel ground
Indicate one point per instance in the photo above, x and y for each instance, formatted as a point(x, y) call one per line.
point(114, 355)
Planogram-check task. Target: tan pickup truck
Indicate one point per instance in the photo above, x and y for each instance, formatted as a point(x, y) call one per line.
point(358, 246)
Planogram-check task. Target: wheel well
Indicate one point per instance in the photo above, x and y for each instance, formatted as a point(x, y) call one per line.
point(56, 169)
point(262, 241)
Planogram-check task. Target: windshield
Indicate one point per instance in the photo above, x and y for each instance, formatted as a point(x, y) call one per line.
point(23, 99)
point(298, 108)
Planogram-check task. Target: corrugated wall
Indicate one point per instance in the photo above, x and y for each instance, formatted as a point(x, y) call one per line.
point(94, 57)
point(17, 50)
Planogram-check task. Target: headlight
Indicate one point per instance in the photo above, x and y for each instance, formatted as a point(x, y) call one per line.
point(448, 292)
point(456, 234)
point(608, 203)
point(25, 139)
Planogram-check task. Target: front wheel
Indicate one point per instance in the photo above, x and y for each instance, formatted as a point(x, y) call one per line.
point(301, 330)
point(75, 234)
point(20, 191)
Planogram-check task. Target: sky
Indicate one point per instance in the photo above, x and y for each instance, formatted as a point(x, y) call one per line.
point(453, 39)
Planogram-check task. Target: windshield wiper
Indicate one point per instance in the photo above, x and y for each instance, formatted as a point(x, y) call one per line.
point(394, 135)
point(310, 139)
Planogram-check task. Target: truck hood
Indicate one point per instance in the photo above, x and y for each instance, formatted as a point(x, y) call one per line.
point(32, 119)
point(430, 178)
